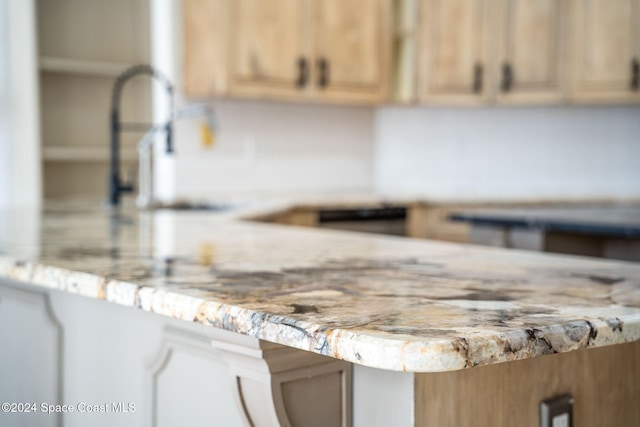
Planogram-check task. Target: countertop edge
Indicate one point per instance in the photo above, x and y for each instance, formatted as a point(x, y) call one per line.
point(410, 355)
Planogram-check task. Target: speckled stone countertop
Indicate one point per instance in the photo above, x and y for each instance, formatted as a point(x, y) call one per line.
point(385, 302)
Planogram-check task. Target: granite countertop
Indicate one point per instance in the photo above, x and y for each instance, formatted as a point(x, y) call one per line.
point(612, 220)
point(386, 302)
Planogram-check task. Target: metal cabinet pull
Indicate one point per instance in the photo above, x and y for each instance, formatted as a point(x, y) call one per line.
point(303, 72)
point(323, 72)
point(478, 72)
point(507, 77)
point(635, 74)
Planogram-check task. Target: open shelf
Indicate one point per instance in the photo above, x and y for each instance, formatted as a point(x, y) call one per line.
point(82, 67)
point(82, 47)
point(62, 153)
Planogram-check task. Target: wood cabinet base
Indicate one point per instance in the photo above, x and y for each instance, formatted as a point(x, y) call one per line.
point(605, 383)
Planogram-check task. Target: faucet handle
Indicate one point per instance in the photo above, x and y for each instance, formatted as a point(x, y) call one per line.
point(127, 185)
point(126, 188)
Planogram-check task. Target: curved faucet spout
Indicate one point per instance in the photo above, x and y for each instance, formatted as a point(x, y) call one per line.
point(116, 187)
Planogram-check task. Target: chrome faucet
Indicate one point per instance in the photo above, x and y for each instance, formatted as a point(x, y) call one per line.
point(116, 186)
point(145, 191)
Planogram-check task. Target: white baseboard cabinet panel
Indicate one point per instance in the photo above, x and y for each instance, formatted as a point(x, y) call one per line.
point(31, 368)
point(382, 398)
point(188, 383)
point(105, 354)
point(114, 365)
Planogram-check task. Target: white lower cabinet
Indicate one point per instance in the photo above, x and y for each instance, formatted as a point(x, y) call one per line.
point(113, 365)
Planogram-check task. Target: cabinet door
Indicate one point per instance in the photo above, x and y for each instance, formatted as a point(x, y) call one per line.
point(530, 45)
point(453, 52)
point(606, 48)
point(268, 49)
point(351, 45)
point(204, 46)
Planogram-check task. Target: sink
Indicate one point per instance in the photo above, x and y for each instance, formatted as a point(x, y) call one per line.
point(183, 205)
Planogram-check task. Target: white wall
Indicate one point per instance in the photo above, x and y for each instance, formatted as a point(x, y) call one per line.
point(517, 152)
point(19, 110)
point(276, 147)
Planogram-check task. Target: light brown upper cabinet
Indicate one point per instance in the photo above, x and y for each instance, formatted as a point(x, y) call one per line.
point(454, 51)
point(269, 46)
point(483, 51)
point(530, 50)
point(314, 50)
point(606, 50)
point(351, 46)
point(205, 47)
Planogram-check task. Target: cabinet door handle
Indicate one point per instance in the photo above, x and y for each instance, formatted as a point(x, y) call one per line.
point(323, 72)
point(635, 74)
point(303, 72)
point(478, 72)
point(507, 77)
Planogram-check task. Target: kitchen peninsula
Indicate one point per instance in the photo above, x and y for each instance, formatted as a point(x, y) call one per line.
point(601, 231)
point(295, 326)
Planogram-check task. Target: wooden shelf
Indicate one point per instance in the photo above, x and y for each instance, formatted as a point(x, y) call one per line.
point(82, 67)
point(62, 153)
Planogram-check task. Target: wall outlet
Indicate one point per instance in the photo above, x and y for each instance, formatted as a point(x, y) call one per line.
point(557, 412)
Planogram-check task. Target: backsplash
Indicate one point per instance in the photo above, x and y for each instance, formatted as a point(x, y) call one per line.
point(509, 152)
point(436, 152)
point(277, 147)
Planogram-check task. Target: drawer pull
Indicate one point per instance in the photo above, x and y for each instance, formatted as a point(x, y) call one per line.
point(478, 72)
point(303, 73)
point(323, 72)
point(507, 77)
